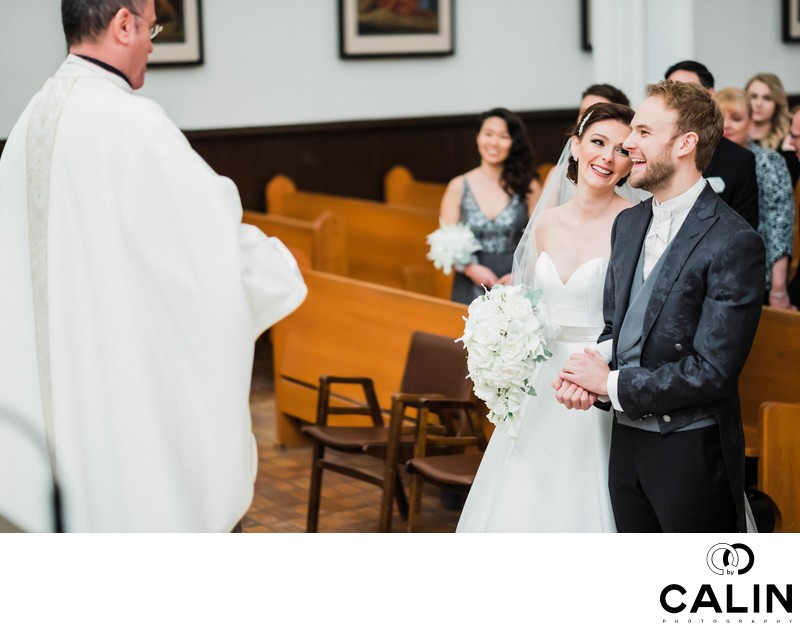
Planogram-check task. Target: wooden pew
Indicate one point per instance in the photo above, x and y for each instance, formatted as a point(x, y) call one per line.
point(382, 239)
point(772, 370)
point(322, 239)
point(400, 187)
point(352, 328)
point(779, 464)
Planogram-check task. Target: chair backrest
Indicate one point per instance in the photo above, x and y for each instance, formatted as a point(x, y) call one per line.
point(779, 464)
point(436, 364)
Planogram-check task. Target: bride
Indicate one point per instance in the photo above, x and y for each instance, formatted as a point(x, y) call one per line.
point(549, 473)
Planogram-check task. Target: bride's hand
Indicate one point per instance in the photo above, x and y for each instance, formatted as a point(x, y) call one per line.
point(571, 396)
point(504, 280)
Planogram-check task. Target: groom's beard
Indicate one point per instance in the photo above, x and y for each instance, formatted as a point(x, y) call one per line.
point(657, 172)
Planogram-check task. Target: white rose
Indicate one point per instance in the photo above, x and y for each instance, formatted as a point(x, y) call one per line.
point(486, 334)
point(480, 309)
point(516, 399)
point(518, 307)
point(513, 349)
point(513, 374)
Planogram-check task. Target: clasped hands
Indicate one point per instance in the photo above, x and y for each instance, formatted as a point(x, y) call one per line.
point(582, 380)
point(483, 276)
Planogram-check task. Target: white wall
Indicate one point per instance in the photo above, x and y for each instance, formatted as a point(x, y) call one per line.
point(745, 38)
point(271, 62)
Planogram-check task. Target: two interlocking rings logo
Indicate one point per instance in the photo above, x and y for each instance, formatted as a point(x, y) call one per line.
point(724, 555)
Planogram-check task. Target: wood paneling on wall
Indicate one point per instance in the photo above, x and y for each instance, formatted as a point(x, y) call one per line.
point(351, 158)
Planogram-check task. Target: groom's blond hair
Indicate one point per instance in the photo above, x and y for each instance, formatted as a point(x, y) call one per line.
point(697, 112)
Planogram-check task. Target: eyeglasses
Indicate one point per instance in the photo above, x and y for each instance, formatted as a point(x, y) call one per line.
point(154, 30)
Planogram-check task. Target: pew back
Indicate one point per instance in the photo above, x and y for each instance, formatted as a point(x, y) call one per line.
point(779, 465)
point(322, 239)
point(772, 370)
point(381, 238)
point(348, 327)
point(400, 187)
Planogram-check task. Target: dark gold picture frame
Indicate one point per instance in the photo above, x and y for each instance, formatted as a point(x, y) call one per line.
point(791, 21)
point(415, 28)
point(181, 41)
point(586, 25)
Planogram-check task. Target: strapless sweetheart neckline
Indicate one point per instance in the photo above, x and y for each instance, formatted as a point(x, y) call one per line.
point(577, 269)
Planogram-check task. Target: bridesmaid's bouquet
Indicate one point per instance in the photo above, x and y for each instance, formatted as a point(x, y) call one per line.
point(451, 244)
point(505, 339)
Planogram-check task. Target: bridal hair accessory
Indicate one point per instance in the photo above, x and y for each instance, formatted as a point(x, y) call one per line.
point(451, 245)
point(505, 340)
point(583, 123)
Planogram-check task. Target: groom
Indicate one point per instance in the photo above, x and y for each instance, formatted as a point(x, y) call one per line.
point(682, 302)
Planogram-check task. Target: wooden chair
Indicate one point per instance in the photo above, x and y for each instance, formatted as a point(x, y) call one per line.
point(440, 451)
point(779, 464)
point(435, 366)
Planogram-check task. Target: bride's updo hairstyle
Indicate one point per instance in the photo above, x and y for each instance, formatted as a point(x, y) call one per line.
point(518, 166)
point(594, 114)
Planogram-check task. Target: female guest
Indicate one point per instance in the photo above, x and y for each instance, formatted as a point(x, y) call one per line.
point(494, 200)
point(771, 119)
point(550, 472)
point(775, 200)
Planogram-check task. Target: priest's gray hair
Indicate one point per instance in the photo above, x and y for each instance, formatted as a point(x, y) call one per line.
point(85, 20)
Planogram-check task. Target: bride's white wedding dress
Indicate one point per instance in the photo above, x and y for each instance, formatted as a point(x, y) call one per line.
point(552, 476)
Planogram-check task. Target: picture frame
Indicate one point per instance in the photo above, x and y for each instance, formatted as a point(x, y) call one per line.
point(180, 43)
point(414, 28)
point(791, 21)
point(586, 25)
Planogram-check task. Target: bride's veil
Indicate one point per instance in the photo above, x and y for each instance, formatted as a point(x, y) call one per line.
point(558, 190)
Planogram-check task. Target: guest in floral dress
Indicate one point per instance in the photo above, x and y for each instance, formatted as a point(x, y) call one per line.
point(775, 195)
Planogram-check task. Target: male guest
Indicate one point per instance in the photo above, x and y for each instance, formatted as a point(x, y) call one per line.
point(732, 169)
point(682, 301)
point(132, 298)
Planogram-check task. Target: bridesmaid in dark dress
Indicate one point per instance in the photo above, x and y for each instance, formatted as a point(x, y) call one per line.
point(495, 200)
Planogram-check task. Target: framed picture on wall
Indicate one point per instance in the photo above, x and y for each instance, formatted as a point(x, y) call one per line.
point(395, 28)
point(180, 42)
point(791, 21)
point(586, 25)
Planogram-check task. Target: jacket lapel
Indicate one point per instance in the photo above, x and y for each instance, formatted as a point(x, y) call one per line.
point(699, 220)
point(628, 257)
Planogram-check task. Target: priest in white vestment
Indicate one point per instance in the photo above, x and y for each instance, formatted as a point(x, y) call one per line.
point(132, 297)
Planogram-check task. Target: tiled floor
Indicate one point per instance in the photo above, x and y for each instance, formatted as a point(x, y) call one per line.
point(281, 490)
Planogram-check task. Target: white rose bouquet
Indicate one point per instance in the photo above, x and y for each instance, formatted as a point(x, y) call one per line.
point(451, 244)
point(505, 339)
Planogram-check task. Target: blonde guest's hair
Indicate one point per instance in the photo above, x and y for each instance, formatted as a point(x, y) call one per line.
point(781, 121)
point(736, 96)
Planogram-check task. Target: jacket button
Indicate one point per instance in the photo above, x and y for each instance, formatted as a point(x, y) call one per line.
point(667, 418)
point(679, 347)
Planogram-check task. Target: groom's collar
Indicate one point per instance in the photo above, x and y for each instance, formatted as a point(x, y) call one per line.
point(681, 203)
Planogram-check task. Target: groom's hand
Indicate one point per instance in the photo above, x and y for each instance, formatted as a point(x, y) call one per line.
point(571, 396)
point(588, 370)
